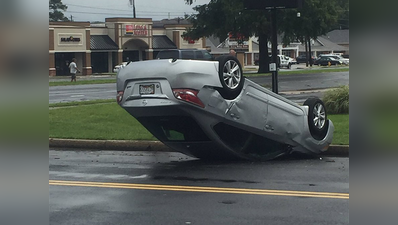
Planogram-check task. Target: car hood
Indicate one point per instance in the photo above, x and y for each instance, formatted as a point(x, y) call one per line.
point(180, 73)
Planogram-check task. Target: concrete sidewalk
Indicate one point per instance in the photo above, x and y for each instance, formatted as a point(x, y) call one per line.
point(120, 145)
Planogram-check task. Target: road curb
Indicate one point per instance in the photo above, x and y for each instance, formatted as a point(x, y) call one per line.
point(124, 145)
point(337, 150)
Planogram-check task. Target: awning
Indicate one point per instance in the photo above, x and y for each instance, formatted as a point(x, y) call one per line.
point(162, 42)
point(102, 42)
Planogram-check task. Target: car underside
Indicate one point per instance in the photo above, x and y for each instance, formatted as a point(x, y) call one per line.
point(207, 109)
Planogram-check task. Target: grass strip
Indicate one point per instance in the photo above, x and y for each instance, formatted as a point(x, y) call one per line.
point(111, 122)
point(341, 128)
point(80, 103)
point(96, 122)
point(80, 82)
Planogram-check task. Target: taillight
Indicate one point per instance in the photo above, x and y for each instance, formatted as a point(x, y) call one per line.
point(188, 95)
point(119, 96)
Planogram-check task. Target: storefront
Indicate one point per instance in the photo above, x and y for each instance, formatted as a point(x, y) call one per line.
point(98, 47)
point(68, 41)
point(103, 53)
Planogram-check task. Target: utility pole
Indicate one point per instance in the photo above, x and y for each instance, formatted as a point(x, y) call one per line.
point(132, 3)
point(134, 9)
point(310, 51)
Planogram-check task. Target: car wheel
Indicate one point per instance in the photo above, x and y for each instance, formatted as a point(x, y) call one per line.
point(317, 118)
point(289, 66)
point(231, 77)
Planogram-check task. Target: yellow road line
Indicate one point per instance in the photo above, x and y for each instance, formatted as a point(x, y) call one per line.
point(202, 189)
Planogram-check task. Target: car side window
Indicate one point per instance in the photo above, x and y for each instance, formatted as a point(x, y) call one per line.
point(199, 55)
point(168, 55)
point(207, 56)
point(187, 54)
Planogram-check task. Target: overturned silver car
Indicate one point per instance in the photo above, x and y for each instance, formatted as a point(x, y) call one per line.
point(207, 109)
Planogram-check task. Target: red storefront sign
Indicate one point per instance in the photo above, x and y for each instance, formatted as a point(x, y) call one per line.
point(137, 30)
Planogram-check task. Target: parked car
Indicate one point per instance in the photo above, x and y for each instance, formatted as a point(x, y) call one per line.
point(208, 109)
point(284, 61)
point(185, 54)
point(344, 61)
point(120, 66)
point(303, 59)
point(325, 60)
point(292, 60)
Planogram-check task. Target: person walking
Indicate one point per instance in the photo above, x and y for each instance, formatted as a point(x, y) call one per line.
point(73, 70)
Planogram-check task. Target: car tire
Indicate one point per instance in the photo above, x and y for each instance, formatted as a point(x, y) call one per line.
point(289, 66)
point(231, 77)
point(317, 118)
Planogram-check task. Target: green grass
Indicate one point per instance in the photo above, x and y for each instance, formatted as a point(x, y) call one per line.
point(97, 122)
point(108, 121)
point(341, 128)
point(91, 102)
point(80, 82)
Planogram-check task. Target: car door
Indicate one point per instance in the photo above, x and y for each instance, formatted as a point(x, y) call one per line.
point(284, 60)
point(251, 109)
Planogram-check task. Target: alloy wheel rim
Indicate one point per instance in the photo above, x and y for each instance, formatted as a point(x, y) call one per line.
point(231, 74)
point(319, 116)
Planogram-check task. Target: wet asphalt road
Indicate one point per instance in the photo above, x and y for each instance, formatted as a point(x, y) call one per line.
point(112, 187)
point(286, 83)
point(83, 92)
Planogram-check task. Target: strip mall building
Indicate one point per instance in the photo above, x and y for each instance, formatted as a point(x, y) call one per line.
point(99, 47)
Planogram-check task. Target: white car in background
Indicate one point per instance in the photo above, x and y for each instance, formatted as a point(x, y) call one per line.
point(286, 61)
point(120, 66)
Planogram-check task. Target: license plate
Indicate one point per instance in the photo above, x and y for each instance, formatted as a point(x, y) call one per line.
point(147, 89)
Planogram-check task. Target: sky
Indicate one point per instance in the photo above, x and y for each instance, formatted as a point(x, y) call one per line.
point(98, 10)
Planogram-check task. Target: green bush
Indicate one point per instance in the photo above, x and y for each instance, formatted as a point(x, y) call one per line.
point(337, 100)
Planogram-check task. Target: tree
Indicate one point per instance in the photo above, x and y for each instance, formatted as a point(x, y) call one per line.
point(317, 17)
point(344, 14)
point(56, 7)
point(221, 17)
